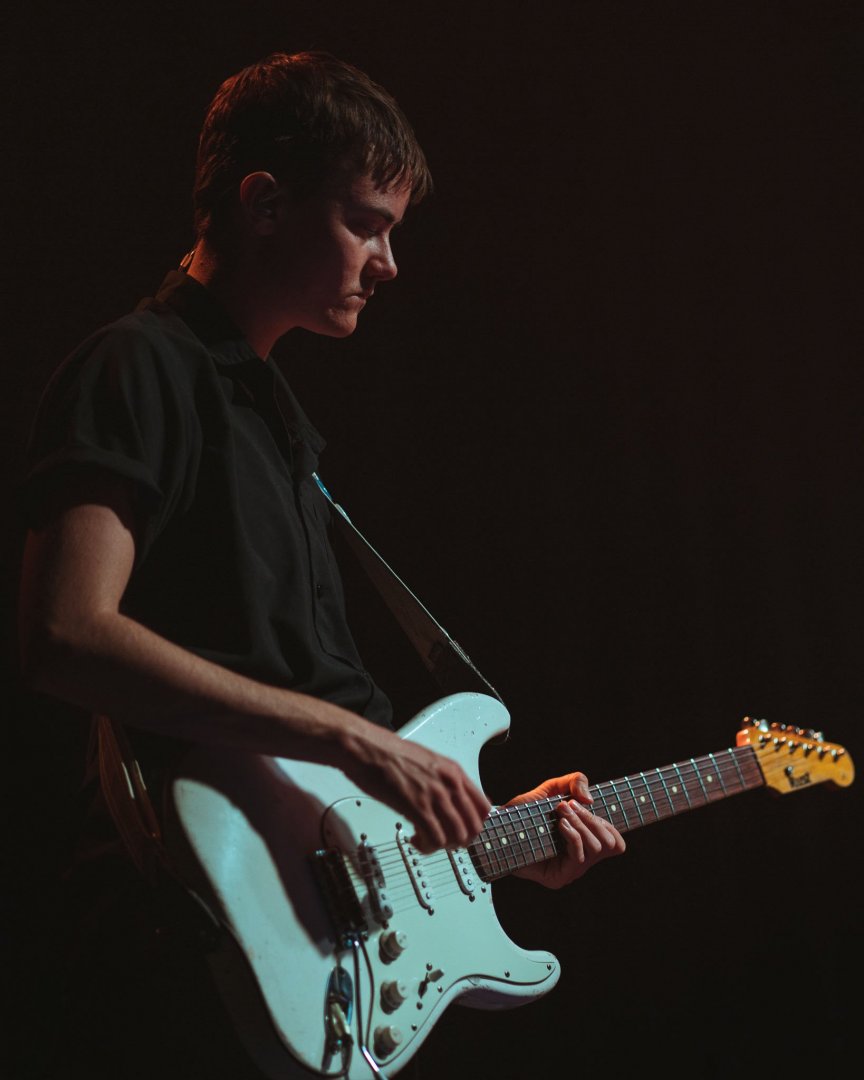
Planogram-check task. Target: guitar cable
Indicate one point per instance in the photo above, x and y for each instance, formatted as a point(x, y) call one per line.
point(364, 1049)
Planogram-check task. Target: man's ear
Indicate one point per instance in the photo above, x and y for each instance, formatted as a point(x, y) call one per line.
point(259, 201)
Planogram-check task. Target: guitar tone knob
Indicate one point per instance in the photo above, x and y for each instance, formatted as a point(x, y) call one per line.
point(393, 993)
point(393, 943)
point(387, 1039)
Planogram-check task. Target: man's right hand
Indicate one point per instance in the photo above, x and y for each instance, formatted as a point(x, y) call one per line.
point(446, 808)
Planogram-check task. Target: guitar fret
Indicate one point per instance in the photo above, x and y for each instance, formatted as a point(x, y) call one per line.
point(598, 793)
point(546, 829)
point(617, 808)
point(644, 779)
point(488, 854)
point(522, 835)
point(683, 785)
point(734, 758)
point(712, 773)
point(621, 802)
point(698, 773)
point(609, 812)
point(635, 801)
point(666, 791)
point(718, 772)
point(502, 840)
point(526, 833)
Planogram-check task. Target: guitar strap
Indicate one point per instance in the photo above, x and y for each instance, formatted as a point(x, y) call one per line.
point(445, 658)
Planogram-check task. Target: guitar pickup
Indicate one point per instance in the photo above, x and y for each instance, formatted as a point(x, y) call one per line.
point(464, 870)
point(417, 871)
point(373, 876)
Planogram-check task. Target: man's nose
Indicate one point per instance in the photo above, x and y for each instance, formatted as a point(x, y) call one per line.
point(382, 266)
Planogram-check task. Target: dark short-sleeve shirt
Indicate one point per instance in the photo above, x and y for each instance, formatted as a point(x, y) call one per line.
point(233, 561)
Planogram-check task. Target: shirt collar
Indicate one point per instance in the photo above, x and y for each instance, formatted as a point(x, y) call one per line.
point(205, 316)
point(208, 320)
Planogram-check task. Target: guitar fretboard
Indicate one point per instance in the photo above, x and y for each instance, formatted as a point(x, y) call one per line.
point(521, 835)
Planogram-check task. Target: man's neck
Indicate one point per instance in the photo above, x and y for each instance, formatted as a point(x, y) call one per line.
point(235, 286)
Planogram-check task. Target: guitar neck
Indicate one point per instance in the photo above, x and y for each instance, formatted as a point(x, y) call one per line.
point(527, 833)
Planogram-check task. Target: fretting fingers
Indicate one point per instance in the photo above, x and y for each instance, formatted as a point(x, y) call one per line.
point(590, 837)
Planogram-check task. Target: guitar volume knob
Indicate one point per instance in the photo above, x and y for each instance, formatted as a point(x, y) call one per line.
point(393, 944)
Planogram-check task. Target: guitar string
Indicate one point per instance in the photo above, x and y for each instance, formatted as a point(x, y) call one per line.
point(624, 805)
point(508, 824)
point(647, 784)
point(519, 822)
point(676, 798)
point(511, 823)
point(518, 828)
point(402, 896)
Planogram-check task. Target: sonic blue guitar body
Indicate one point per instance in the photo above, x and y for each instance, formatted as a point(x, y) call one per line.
point(344, 942)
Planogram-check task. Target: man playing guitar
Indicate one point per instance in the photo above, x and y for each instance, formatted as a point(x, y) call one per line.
point(178, 576)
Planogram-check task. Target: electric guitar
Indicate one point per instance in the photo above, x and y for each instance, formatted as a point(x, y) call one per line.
point(341, 944)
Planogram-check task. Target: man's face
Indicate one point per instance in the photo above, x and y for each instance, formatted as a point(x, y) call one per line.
point(328, 252)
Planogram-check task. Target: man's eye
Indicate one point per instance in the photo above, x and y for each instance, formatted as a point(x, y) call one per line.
point(363, 228)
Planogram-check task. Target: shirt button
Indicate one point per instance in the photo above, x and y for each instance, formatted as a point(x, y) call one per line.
point(318, 589)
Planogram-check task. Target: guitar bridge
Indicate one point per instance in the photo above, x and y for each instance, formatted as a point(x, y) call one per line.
point(340, 897)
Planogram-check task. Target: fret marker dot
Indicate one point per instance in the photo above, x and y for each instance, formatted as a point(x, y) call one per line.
point(674, 789)
point(521, 835)
point(542, 829)
point(710, 779)
point(503, 839)
point(488, 845)
point(641, 798)
point(614, 808)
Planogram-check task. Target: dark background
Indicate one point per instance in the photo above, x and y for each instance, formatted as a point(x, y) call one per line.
point(607, 423)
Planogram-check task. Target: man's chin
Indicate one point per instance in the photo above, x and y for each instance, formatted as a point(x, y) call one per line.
point(334, 322)
point(340, 326)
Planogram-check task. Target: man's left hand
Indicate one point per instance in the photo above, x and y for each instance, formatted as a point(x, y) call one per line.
point(589, 838)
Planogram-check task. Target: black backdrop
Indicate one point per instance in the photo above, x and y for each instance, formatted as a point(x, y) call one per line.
point(606, 423)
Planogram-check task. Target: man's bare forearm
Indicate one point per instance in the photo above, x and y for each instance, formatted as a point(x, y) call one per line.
point(111, 664)
point(77, 645)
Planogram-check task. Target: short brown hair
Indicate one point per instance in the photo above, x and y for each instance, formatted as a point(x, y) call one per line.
point(302, 117)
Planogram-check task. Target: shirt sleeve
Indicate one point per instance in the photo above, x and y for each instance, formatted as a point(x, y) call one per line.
point(118, 403)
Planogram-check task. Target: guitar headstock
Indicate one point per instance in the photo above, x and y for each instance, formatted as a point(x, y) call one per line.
point(793, 758)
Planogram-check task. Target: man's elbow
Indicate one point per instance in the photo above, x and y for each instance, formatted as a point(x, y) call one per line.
point(49, 649)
